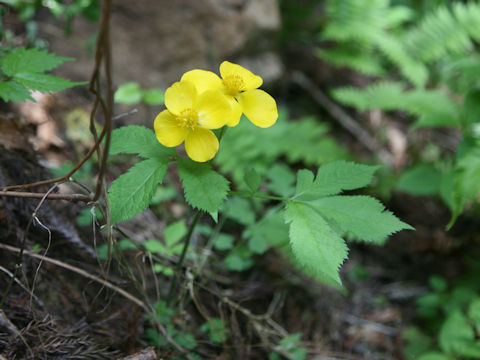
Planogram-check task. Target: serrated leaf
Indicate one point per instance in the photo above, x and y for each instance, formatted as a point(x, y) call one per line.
point(315, 245)
point(363, 216)
point(135, 139)
point(128, 94)
point(14, 91)
point(33, 60)
point(131, 193)
point(45, 82)
point(332, 178)
point(204, 188)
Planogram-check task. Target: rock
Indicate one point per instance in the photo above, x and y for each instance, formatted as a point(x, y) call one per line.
point(155, 42)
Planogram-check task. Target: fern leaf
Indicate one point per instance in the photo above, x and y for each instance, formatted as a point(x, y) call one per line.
point(432, 107)
point(357, 60)
point(382, 95)
point(355, 19)
point(468, 15)
point(395, 51)
point(440, 33)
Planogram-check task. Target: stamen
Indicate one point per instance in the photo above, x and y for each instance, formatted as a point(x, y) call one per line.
point(233, 84)
point(188, 118)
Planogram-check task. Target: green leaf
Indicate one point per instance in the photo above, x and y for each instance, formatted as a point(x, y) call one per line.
point(155, 246)
point(456, 335)
point(223, 242)
point(438, 283)
point(416, 343)
point(131, 192)
point(204, 188)
point(422, 179)
point(252, 179)
point(126, 244)
point(257, 244)
point(281, 180)
point(271, 229)
point(216, 330)
point(466, 183)
point(33, 60)
point(315, 245)
point(471, 107)
point(363, 216)
point(14, 91)
point(45, 82)
point(153, 97)
point(240, 210)
point(434, 356)
point(332, 178)
point(128, 94)
point(175, 232)
point(239, 259)
point(474, 313)
point(135, 139)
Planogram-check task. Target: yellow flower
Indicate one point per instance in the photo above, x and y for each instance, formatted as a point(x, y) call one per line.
point(240, 87)
point(189, 117)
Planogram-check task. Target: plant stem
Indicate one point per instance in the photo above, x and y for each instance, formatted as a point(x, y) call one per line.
point(182, 256)
point(257, 195)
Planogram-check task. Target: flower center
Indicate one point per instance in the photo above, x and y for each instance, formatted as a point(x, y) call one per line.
point(233, 84)
point(188, 118)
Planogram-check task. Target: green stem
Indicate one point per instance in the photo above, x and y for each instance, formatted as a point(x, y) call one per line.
point(182, 256)
point(258, 195)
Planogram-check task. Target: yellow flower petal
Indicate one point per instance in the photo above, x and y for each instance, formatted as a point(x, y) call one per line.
point(180, 97)
point(237, 77)
point(168, 130)
point(213, 109)
point(259, 107)
point(236, 111)
point(203, 80)
point(201, 144)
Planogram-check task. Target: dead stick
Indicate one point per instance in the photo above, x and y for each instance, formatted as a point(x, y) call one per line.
point(68, 197)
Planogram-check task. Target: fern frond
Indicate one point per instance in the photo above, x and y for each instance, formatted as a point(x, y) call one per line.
point(414, 71)
point(431, 107)
point(381, 95)
point(355, 19)
point(359, 61)
point(468, 15)
point(398, 15)
point(462, 73)
point(442, 32)
point(367, 24)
